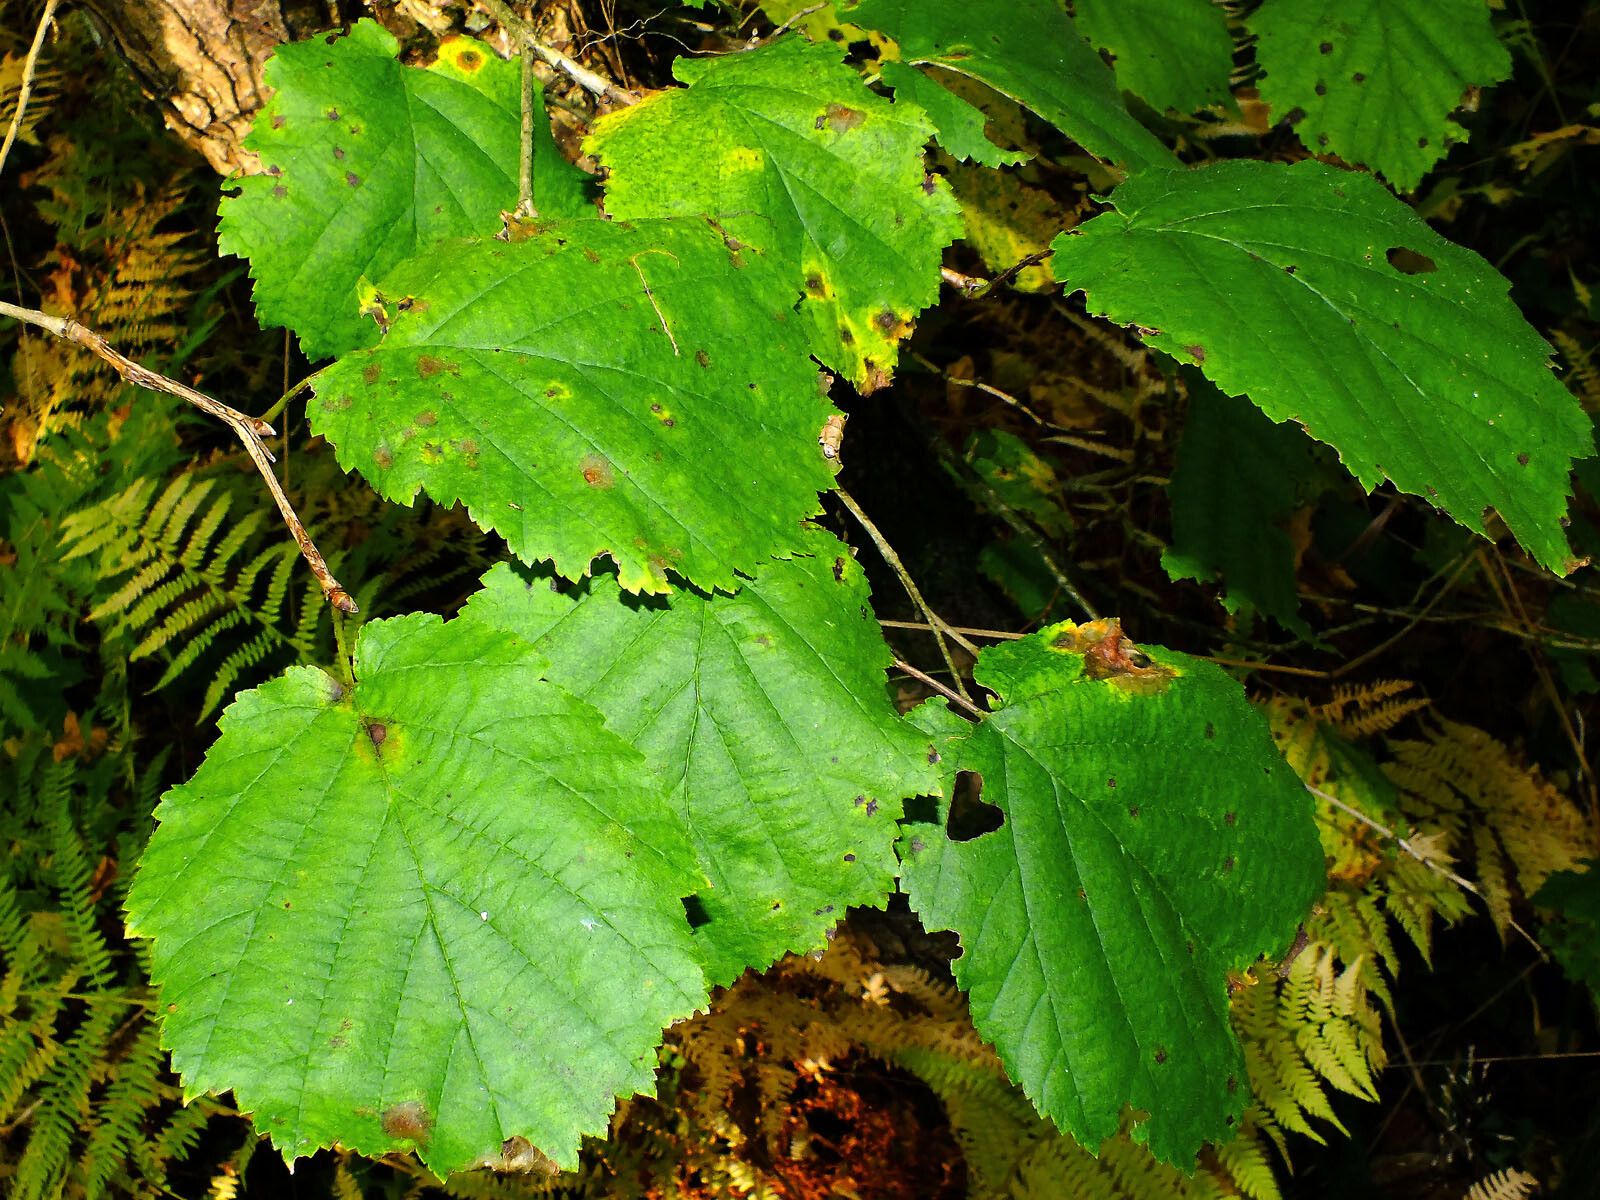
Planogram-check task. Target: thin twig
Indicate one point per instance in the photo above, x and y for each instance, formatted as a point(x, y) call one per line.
point(1031, 536)
point(968, 285)
point(1510, 598)
point(794, 19)
point(940, 626)
point(1384, 831)
point(26, 90)
point(249, 429)
point(998, 634)
point(947, 693)
point(1250, 664)
point(554, 59)
point(1367, 655)
point(987, 389)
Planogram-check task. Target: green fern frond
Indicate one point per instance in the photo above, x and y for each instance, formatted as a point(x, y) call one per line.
point(181, 580)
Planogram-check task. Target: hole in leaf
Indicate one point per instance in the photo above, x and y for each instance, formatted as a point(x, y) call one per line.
point(1409, 262)
point(971, 816)
point(921, 810)
point(695, 910)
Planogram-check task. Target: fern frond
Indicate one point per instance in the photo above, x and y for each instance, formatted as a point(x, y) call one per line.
point(1509, 1184)
point(1361, 710)
point(182, 581)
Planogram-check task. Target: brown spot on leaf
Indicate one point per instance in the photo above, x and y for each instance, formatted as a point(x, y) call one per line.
point(886, 321)
point(428, 366)
point(1231, 818)
point(352, 179)
point(274, 170)
point(338, 152)
point(333, 114)
point(1358, 77)
point(1326, 47)
point(843, 119)
point(470, 60)
point(1161, 1055)
point(1321, 89)
point(701, 357)
point(1227, 863)
point(383, 456)
point(279, 121)
point(589, 253)
point(814, 283)
point(410, 1120)
point(1198, 353)
point(280, 191)
point(427, 417)
point(378, 732)
point(597, 472)
point(1522, 460)
point(371, 373)
point(838, 570)
point(929, 187)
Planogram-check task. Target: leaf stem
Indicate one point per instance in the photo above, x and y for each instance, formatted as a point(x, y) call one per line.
point(525, 208)
point(935, 622)
point(282, 402)
point(26, 88)
point(250, 430)
point(554, 59)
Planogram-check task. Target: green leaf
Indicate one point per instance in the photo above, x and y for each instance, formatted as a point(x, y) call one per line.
point(438, 910)
point(1174, 54)
point(1237, 479)
point(960, 126)
point(1028, 50)
point(1376, 80)
point(1574, 935)
point(366, 162)
point(832, 171)
point(1152, 840)
point(767, 714)
point(639, 390)
point(1329, 302)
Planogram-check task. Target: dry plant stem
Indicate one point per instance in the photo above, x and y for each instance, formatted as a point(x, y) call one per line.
point(26, 89)
point(554, 59)
point(1384, 831)
point(947, 693)
point(250, 430)
point(937, 623)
